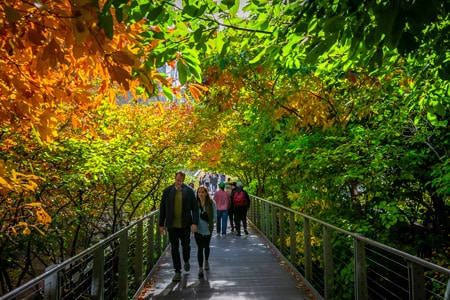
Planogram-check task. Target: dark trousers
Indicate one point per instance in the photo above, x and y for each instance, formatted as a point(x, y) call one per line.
point(231, 216)
point(203, 250)
point(175, 236)
point(240, 215)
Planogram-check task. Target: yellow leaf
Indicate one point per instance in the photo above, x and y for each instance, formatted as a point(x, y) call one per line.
point(161, 108)
point(75, 122)
point(26, 230)
point(199, 86)
point(195, 92)
point(42, 217)
point(112, 96)
point(4, 183)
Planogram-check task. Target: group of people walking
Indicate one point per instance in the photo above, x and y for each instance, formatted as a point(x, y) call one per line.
point(184, 210)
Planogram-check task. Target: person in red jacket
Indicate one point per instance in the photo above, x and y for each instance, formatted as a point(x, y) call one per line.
point(241, 203)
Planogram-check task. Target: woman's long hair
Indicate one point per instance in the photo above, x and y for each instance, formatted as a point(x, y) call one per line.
point(208, 197)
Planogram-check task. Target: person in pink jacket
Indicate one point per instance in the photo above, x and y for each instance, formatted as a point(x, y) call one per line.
point(223, 202)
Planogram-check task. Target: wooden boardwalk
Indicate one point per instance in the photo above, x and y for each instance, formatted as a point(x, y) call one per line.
point(240, 268)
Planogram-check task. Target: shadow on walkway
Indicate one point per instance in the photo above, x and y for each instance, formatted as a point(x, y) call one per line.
point(240, 268)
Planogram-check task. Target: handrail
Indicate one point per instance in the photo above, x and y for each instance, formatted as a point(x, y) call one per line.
point(378, 271)
point(93, 271)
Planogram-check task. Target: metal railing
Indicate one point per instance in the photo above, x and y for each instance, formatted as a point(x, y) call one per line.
point(338, 264)
point(114, 268)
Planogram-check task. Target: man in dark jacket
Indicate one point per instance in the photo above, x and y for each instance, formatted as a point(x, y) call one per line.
point(241, 207)
point(178, 213)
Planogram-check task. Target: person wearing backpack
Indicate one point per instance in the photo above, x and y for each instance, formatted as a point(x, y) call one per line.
point(241, 203)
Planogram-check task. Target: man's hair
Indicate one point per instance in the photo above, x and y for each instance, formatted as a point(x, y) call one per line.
point(181, 173)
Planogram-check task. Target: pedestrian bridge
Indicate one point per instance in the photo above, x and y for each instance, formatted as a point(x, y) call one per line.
point(287, 255)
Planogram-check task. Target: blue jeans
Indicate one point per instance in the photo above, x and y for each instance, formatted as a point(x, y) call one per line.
point(222, 219)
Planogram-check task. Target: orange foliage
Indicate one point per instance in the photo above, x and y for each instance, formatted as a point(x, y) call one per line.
point(56, 66)
point(53, 55)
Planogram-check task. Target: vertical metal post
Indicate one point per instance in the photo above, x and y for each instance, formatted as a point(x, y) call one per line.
point(138, 255)
point(361, 292)
point(123, 266)
point(282, 232)
point(51, 285)
point(293, 238)
point(328, 262)
point(150, 244)
point(274, 225)
point(416, 281)
point(266, 219)
point(98, 273)
point(158, 244)
point(259, 215)
point(307, 249)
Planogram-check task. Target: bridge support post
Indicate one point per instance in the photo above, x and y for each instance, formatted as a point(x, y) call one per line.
point(307, 250)
point(416, 281)
point(98, 268)
point(361, 292)
point(293, 238)
point(123, 266)
point(328, 262)
point(150, 244)
point(274, 225)
point(138, 252)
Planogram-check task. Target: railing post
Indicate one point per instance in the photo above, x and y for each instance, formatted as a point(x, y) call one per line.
point(266, 219)
point(293, 238)
point(307, 249)
point(416, 281)
point(259, 215)
point(150, 244)
point(123, 266)
point(98, 268)
point(361, 292)
point(138, 255)
point(328, 262)
point(51, 285)
point(274, 225)
point(282, 231)
point(159, 238)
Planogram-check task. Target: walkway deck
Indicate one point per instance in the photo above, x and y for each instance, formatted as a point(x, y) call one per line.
point(240, 268)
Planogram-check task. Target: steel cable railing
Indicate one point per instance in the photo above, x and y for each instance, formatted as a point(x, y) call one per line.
point(317, 252)
point(114, 268)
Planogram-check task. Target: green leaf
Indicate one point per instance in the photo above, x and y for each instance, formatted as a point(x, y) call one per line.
point(228, 3)
point(220, 41)
point(444, 71)
point(155, 13)
point(168, 92)
point(106, 22)
point(182, 73)
point(194, 11)
point(119, 15)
